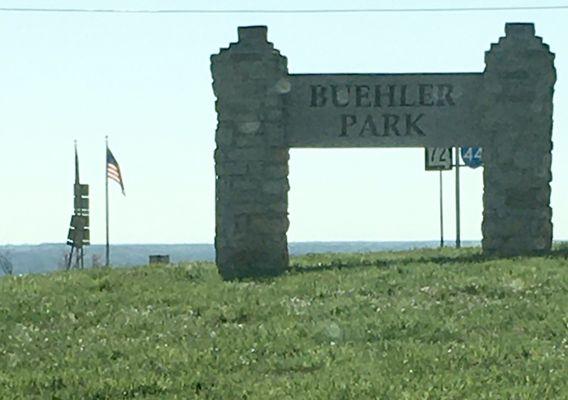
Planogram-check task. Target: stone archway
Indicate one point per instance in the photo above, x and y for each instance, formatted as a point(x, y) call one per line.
point(263, 111)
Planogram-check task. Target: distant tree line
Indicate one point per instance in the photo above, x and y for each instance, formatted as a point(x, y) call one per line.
point(6, 264)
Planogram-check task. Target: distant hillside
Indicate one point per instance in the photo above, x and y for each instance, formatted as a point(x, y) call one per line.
point(50, 256)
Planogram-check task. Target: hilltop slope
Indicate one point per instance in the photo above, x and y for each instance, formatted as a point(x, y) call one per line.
point(410, 325)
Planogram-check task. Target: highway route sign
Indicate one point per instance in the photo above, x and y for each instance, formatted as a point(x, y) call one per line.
point(438, 159)
point(472, 156)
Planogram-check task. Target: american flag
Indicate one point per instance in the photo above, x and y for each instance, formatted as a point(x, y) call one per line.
point(113, 170)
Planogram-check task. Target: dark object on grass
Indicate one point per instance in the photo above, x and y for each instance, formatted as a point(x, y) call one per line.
point(159, 259)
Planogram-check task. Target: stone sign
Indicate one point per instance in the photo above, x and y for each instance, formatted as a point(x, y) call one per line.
point(372, 110)
point(263, 111)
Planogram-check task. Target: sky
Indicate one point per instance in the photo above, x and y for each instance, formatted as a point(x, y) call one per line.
point(144, 80)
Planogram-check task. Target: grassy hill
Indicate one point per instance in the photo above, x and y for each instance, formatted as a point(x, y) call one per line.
point(48, 257)
point(426, 324)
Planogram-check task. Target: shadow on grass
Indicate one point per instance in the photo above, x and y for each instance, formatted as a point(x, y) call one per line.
point(385, 262)
point(392, 260)
point(560, 251)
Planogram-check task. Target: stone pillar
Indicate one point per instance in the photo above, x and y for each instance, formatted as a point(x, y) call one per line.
point(517, 134)
point(251, 159)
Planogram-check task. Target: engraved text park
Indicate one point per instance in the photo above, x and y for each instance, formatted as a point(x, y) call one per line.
point(385, 109)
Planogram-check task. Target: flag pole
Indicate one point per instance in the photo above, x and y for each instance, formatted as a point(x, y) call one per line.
point(76, 164)
point(77, 190)
point(107, 263)
point(70, 261)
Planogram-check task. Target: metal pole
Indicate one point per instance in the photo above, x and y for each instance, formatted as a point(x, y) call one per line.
point(441, 212)
point(70, 258)
point(458, 239)
point(76, 165)
point(107, 263)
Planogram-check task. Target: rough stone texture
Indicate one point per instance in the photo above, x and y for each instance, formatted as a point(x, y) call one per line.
point(517, 127)
point(251, 158)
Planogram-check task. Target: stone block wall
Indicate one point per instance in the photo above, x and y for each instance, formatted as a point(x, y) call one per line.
point(516, 123)
point(251, 158)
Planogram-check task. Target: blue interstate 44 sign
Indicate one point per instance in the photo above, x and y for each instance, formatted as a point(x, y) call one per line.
point(472, 156)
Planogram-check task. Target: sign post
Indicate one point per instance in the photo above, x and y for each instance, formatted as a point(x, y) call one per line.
point(472, 157)
point(441, 212)
point(79, 233)
point(458, 238)
point(439, 159)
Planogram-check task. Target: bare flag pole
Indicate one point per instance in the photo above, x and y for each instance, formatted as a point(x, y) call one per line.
point(107, 263)
point(70, 260)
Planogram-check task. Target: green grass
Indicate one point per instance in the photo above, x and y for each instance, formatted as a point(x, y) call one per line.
point(425, 324)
